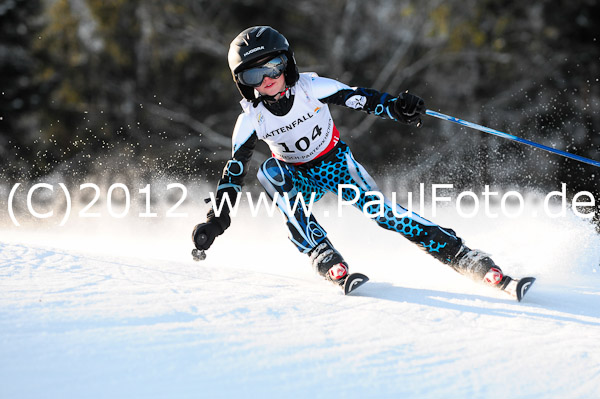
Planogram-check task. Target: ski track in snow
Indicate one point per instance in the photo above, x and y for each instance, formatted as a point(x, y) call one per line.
point(117, 308)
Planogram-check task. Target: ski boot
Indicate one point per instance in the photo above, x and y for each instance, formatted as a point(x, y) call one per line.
point(481, 267)
point(329, 263)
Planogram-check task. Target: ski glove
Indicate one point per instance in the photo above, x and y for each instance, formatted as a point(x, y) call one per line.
point(204, 234)
point(408, 108)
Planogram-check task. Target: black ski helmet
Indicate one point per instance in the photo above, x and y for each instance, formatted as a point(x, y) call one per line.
point(253, 46)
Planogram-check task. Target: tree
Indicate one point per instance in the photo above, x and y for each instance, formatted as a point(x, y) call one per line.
point(20, 95)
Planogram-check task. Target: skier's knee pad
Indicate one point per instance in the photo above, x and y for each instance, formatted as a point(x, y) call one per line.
point(274, 175)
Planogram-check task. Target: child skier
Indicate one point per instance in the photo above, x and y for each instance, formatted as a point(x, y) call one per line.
point(289, 111)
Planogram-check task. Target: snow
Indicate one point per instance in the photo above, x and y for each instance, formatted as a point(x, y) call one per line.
point(117, 308)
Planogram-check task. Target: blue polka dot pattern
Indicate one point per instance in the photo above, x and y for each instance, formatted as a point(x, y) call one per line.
point(339, 167)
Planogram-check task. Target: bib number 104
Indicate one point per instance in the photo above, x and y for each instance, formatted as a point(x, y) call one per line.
point(303, 143)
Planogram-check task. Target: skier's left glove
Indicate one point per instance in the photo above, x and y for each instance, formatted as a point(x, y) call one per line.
point(408, 108)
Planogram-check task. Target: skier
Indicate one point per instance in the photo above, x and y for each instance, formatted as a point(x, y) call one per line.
point(289, 111)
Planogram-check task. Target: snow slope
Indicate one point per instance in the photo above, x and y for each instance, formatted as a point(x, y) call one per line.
point(117, 309)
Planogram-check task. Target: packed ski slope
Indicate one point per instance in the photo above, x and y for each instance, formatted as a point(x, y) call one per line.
point(111, 308)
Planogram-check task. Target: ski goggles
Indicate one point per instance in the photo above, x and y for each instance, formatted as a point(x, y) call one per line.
point(273, 69)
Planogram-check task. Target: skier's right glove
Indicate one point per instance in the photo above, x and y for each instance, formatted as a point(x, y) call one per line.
point(408, 108)
point(204, 234)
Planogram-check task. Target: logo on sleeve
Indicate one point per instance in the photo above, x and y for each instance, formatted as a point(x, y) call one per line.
point(356, 102)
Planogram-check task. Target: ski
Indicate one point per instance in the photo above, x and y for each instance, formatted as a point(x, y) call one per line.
point(518, 288)
point(523, 286)
point(353, 281)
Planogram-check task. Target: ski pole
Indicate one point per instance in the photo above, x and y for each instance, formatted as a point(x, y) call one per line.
point(511, 137)
point(198, 254)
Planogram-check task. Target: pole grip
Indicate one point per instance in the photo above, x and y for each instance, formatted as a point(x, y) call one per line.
point(201, 239)
point(199, 254)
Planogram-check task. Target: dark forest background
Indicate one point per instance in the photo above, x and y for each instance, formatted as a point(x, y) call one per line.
point(94, 87)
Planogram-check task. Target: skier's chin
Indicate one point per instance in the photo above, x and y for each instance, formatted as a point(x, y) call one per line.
point(272, 90)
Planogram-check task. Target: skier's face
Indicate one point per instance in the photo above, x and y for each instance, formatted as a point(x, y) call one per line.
point(270, 87)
